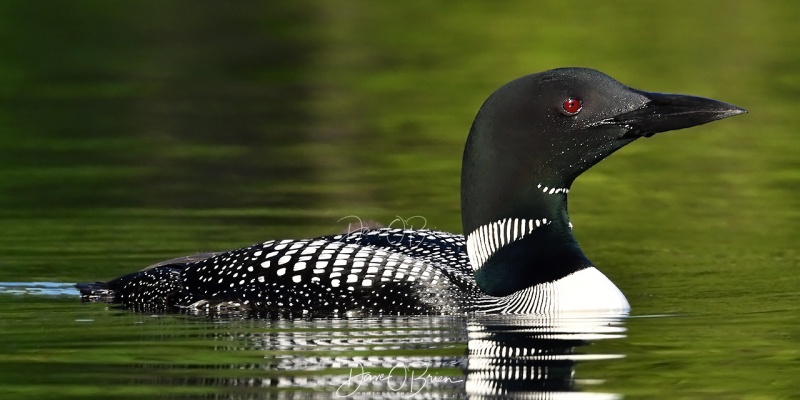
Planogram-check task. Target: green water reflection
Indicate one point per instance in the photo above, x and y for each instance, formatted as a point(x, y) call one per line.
point(136, 132)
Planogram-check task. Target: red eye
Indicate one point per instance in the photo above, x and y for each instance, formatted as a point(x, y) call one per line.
point(572, 106)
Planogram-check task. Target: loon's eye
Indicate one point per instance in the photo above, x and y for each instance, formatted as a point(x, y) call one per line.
point(571, 106)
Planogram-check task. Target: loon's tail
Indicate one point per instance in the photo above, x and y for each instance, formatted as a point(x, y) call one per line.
point(96, 292)
point(156, 284)
point(157, 287)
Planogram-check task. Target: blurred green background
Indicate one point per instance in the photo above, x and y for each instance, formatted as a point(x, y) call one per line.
point(132, 132)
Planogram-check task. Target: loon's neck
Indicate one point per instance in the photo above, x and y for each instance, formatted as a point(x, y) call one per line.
point(514, 211)
point(528, 244)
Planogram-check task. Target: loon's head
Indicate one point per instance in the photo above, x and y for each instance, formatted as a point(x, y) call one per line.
point(528, 143)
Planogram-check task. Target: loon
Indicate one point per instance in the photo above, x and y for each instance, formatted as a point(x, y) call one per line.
point(529, 141)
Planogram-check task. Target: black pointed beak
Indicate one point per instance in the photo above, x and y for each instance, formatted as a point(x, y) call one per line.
point(667, 112)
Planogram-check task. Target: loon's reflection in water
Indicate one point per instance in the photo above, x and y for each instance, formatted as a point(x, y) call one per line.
point(400, 357)
point(237, 356)
point(534, 357)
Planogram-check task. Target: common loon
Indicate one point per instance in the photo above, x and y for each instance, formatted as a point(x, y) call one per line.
point(528, 143)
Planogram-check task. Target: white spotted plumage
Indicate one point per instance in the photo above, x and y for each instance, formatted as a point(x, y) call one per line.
point(360, 270)
point(376, 271)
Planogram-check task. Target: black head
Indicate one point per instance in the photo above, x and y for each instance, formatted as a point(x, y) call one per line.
point(528, 133)
point(536, 134)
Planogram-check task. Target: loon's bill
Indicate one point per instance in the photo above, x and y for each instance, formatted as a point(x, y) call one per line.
point(530, 140)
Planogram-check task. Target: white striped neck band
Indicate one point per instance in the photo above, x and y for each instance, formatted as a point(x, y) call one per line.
point(551, 190)
point(483, 242)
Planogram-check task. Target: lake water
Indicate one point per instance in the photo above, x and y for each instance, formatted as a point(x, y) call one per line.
point(133, 133)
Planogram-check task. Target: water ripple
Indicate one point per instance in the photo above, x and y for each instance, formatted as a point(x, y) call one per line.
point(39, 288)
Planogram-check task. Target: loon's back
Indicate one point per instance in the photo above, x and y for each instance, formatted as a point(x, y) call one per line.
point(385, 270)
